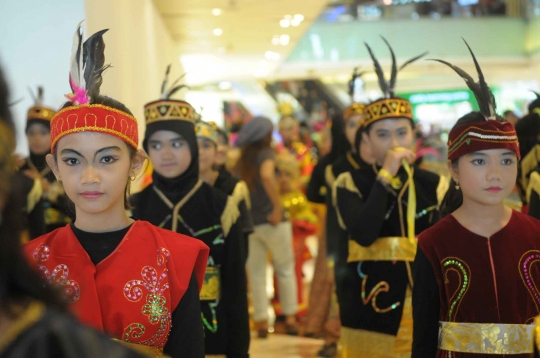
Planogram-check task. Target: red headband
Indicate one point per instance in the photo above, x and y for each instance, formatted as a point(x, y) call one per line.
point(94, 118)
point(473, 137)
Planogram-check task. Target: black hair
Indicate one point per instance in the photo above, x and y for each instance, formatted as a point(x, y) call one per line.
point(454, 197)
point(109, 102)
point(340, 144)
point(19, 283)
point(528, 131)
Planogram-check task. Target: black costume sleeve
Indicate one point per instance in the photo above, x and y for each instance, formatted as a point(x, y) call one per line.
point(425, 306)
point(245, 220)
point(534, 202)
point(316, 182)
point(234, 294)
point(363, 217)
point(186, 339)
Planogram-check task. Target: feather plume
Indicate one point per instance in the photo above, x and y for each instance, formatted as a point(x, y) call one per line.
point(379, 72)
point(356, 74)
point(32, 94)
point(536, 94)
point(38, 97)
point(76, 62)
point(393, 75)
point(166, 93)
point(412, 60)
point(94, 63)
point(164, 84)
point(480, 89)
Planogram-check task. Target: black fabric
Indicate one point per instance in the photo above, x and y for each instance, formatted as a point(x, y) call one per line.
point(317, 187)
point(37, 217)
point(370, 216)
point(201, 219)
point(58, 335)
point(227, 183)
point(426, 308)
point(99, 245)
point(176, 188)
point(534, 205)
point(186, 339)
point(34, 220)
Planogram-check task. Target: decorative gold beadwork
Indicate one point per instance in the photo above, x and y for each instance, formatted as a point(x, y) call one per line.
point(383, 249)
point(166, 110)
point(387, 108)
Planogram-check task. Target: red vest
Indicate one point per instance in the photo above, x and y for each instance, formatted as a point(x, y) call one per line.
point(132, 293)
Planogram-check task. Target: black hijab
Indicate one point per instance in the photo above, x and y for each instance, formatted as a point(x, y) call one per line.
point(176, 188)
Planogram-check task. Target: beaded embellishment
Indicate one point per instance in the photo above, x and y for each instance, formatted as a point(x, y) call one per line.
point(155, 306)
point(382, 286)
point(453, 264)
point(525, 264)
point(58, 276)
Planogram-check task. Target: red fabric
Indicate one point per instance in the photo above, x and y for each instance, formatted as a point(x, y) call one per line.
point(490, 134)
point(151, 267)
point(94, 118)
point(515, 284)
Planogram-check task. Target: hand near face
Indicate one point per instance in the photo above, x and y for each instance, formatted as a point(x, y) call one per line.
point(394, 159)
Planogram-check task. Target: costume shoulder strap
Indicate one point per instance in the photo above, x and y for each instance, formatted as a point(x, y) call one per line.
point(442, 188)
point(534, 185)
point(344, 181)
point(230, 215)
point(241, 192)
point(329, 176)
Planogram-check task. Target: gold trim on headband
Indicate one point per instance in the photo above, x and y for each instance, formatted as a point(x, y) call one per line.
point(75, 107)
point(166, 110)
point(387, 108)
point(40, 112)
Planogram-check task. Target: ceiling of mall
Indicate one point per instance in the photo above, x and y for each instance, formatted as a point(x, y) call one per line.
point(233, 38)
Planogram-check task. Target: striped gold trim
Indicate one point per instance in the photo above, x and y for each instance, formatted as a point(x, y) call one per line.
point(384, 249)
point(486, 338)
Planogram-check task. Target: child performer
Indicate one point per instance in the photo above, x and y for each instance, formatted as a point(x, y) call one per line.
point(132, 280)
point(475, 292)
point(213, 174)
point(304, 222)
point(382, 207)
point(180, 201)
point(50, 212)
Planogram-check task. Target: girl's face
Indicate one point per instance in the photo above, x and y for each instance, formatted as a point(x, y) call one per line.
point(285, 181)
point(487, 176)
point(351, 126)
point(169, 153)
point(222, 150)
point(39, 139)
point(94, 169)
point(388, 134)
point(207, 154)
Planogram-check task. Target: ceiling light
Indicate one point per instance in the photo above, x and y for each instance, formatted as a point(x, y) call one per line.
point(272, 56)
point(275, 40)
point(288, 17)
point(216, 12)
point(284, 40)
point(285, 23)
point(295, 22)
point(299, 17)
point(225, 86)
point(218, 31)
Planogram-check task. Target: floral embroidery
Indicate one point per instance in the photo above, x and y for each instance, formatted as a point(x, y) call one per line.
point(155, 308)
point(59, 275)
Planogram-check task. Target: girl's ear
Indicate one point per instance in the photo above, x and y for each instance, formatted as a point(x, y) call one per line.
point(53, 165)
point(137, 162)
point(453, 169)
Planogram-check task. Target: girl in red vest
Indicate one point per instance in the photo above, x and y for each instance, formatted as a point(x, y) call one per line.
point(130, 279)
point(475, 279)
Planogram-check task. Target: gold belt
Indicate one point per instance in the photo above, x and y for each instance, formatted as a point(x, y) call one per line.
point(211, 289)
point(486, 338)
point(384, 249)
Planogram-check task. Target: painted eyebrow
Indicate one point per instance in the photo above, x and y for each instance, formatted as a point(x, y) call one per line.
point(73, 151)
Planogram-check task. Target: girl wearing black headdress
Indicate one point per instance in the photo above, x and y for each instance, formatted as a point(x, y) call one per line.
point(51, 211)
point(180, 201)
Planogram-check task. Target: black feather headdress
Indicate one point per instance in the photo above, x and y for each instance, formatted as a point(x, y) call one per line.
point(39, 112)
point(480, 89)
point(86, 66)
point(388, 87)
point(166, 93)
point(38, 96)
